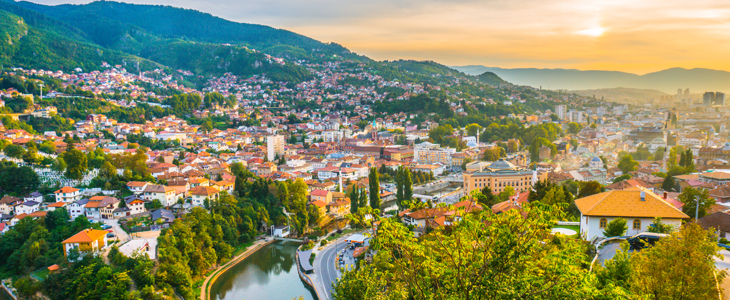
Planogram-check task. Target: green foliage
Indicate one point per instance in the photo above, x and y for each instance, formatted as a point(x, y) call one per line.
point(374, 188)
point(76, 163)
point(490, 79)
point(627, 164)
point(19, 181)
point(658, 227)
point(689, 196)
point(622, 178)
point(685, 258)
point(524, 259)
point(617, 227)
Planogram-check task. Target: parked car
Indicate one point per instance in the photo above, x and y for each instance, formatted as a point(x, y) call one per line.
point(644, 239)
point(111, 235)
point(106, 226)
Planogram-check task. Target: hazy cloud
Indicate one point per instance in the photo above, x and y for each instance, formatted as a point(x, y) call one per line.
point(628, 35)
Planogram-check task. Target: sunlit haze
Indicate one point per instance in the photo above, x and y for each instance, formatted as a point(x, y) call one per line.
point(633, 36)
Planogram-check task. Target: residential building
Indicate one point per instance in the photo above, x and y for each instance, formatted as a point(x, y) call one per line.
point(429, 153)
point(321, 195)
point(137, 187)
point(200, 193)
point(8, 203)
point(68, 194)
point(274, 146)
point(27, 207)
point(164, 194)
point(638, 206)
point(77, 208)
point(88, 241)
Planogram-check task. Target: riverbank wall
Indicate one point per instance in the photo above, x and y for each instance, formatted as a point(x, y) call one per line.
point(205, 291)
point(308, 280)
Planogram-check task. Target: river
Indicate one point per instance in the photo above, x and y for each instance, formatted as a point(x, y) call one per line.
point(268, 274)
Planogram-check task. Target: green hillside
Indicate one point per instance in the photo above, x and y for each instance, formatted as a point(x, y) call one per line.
point(105, 22)
point(173, 37)
point(490, 78)
point(43, 43)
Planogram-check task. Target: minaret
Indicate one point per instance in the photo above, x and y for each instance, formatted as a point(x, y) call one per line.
point(340, 178)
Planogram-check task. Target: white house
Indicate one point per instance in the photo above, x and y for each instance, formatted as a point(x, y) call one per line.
point(137, 187)
point(68, 194)
point(77, 208)
point(638, 206)
point(164, 194)
point(27, 207)
point(200, 193)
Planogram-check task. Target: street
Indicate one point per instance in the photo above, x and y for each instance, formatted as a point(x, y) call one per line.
point(326, 267)
point(120, 234)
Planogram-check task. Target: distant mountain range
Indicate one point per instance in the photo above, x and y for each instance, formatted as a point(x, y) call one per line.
point(668, 81)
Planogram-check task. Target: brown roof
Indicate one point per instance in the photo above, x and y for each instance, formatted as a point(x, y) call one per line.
point(719, 220)
point(628, 183)
point(628, 203)
point(7, 199)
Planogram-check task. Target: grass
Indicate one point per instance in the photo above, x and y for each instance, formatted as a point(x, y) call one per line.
point(338, 235)
point(41, 274)
point(576, 228)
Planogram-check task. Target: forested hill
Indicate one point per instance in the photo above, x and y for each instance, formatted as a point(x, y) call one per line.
point(140, 37)
point(32, 40)
point(107, 22)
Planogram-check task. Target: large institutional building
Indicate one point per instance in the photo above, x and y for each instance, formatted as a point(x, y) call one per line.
point(501, 174)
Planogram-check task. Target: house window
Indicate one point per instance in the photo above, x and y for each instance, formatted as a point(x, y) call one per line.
point(602, 223)
point(637, 224)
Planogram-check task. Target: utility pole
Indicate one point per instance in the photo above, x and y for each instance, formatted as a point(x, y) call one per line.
point(697, 207)
point(41, 85)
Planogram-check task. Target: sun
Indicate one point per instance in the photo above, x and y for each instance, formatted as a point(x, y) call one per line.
point(593, 31)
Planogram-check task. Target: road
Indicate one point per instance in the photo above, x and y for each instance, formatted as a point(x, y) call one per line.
point(326, 269)
point(120, 234)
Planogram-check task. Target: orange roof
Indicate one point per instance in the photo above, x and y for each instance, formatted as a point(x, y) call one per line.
point(53, 268)
point(57, 204)
point(86, 236)
point(137, 183)
point(203, 191)
point(628, 203)
point(66, 190)
point(38, 214)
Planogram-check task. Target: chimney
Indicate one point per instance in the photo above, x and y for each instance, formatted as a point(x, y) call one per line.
point(665, 195)
point(643, 196)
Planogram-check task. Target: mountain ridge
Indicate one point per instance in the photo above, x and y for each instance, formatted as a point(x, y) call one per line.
point(667, 81)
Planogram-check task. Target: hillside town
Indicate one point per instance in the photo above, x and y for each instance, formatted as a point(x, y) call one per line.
point(337, 134)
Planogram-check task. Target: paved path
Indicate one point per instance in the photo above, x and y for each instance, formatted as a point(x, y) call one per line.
point(326, 268)
point(120, 234)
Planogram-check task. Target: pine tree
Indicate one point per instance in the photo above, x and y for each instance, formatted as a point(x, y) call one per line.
point(354, 198)
point(399, 187)
point(407, 185)
point(362, 199)
point(374, 189)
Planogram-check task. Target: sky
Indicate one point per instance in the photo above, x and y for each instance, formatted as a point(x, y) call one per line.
point(637, 36)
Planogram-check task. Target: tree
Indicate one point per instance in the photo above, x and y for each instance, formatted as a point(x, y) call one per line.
point(14, 151)
point(354, 198)
point(518, 259)
point(685, 258)
point(108, 171)
point(588, 188)
point(669, 185)
point(374, 188)
point(508, 192)
point(399, 186)
point(617, 227)
point(627, 164)
point(622, 178)
point(574, 127)
point(493, 154)
point(407, 185)
point(539, 189)
point(658, 227)
point(76, 163)
point(689, 196)
point(472, 129)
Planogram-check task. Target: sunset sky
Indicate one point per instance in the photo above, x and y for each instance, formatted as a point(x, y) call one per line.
point(635, 36)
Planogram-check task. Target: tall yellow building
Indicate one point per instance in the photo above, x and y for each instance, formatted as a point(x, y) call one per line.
point(501, 174)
